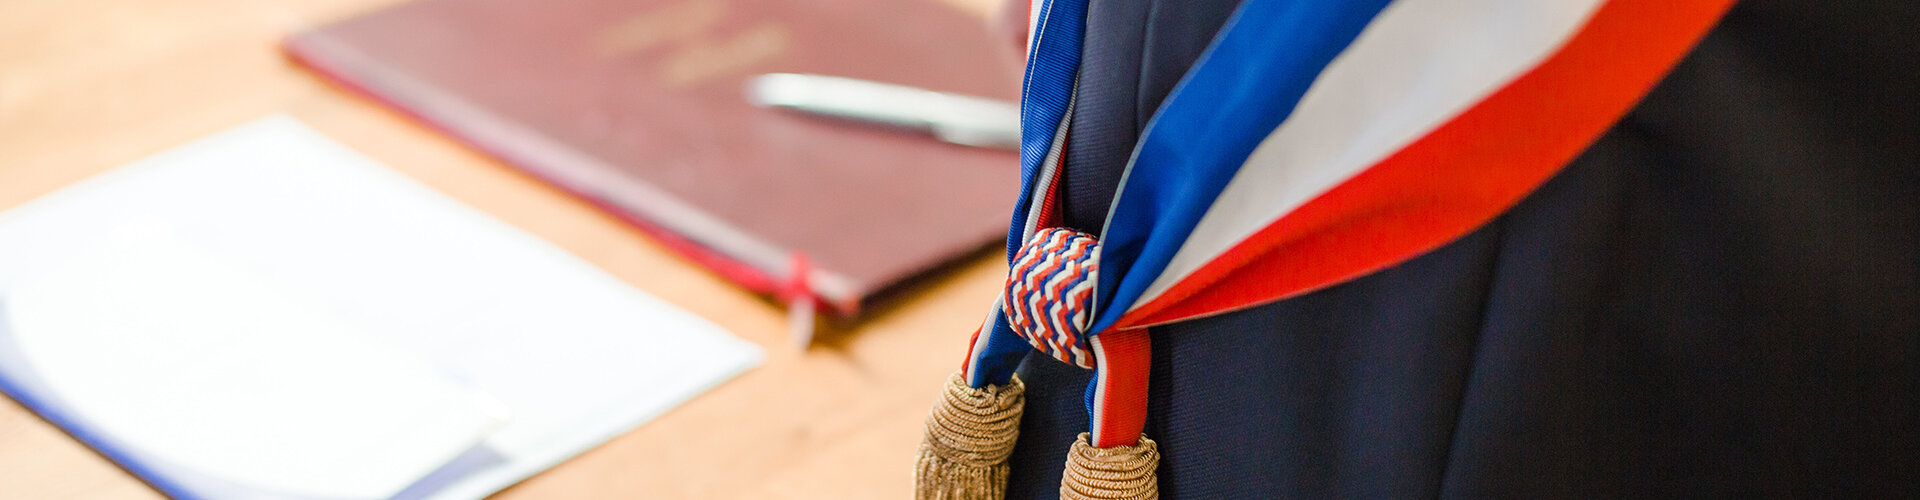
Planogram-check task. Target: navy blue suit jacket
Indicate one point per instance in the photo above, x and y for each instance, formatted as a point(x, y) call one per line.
point(1721, 296)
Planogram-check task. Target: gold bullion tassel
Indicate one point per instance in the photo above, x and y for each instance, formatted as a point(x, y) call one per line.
point(970, 433)
point(1117, 473)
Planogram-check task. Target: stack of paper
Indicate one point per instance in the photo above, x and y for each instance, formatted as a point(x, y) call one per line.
point(266, 314)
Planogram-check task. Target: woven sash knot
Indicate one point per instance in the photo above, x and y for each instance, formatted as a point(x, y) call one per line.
point(1049, 294)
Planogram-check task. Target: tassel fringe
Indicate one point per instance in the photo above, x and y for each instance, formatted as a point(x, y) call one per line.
point(970, 434)
point(1117, 473)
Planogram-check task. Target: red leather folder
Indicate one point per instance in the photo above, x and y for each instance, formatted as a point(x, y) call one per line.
point(639, 107)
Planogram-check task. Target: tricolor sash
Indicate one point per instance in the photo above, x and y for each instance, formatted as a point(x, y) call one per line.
point(1312, 143)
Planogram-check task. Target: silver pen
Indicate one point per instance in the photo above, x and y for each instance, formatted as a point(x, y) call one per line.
point(955, 118)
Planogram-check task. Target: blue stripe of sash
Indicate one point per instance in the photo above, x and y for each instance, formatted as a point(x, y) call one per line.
point(1052, 66)
point(1246, 83)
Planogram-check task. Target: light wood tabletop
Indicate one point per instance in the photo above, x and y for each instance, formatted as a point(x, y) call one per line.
point(87, 85)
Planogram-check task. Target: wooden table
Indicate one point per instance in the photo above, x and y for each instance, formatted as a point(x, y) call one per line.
point(86, 85)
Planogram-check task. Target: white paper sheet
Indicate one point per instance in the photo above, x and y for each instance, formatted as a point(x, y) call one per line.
point(575, 355)
point(212, 368)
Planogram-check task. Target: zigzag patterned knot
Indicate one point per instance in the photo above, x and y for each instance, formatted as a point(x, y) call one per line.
point(1049, 293)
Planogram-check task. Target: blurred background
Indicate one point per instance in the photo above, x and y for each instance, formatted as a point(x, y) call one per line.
point(89, 85)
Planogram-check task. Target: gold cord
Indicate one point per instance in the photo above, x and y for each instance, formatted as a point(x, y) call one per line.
point(969, 435)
